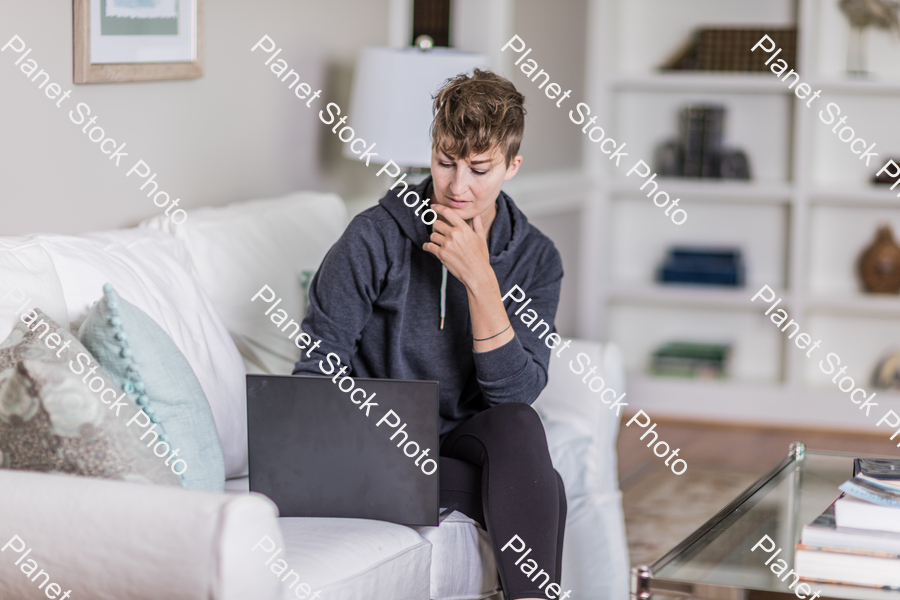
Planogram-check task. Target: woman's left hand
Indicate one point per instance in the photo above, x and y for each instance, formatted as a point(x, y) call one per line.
point(461, 248)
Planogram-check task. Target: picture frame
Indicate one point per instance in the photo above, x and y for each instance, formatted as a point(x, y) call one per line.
point(137, 40)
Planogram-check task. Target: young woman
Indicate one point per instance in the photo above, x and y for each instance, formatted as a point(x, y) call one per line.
point(397, 298)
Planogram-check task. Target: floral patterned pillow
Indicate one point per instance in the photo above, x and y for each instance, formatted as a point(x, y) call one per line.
point(51, 420)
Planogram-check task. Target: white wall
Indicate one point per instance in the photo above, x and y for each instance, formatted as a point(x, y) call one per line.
point(563, 230)
point(558, 37)
point(234, 134)
point(557, 32)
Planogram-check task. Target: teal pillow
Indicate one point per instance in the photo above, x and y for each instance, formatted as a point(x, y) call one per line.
point(154, 373)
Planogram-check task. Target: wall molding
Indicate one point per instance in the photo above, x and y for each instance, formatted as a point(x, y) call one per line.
point(550, 193)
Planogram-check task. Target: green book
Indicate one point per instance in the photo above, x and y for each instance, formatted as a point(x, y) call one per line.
point(686, 359)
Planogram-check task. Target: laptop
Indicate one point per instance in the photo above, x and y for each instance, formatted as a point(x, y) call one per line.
point(315, 453)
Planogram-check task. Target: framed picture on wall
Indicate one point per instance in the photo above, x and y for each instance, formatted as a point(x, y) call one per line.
point(137, 40)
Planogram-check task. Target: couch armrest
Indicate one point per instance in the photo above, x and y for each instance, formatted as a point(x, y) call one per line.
point(570, 410)
point(107, 539)
point(581, 431)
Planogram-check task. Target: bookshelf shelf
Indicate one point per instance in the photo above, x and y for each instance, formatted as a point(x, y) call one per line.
point(872, 197)
point(689, 296)
point(860, 87)
point(749, 402)
point(761, 83)
point(711, 190)
point(857, 305)
point(801, 222)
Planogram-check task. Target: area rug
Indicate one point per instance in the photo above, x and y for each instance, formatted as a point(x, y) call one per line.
point(662, 509)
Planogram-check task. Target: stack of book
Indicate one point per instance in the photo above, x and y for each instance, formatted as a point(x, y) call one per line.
point(700, 129)
point(689, 359)
point(728, 49)
point(698, 151)
point(703, 266)
point(857, 540)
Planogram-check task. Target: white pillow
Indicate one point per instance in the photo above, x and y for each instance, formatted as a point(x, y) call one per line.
point(238, 249)
point(28, 280)
point(152, 271)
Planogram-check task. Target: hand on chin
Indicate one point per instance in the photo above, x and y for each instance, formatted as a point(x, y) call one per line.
point(464, 211)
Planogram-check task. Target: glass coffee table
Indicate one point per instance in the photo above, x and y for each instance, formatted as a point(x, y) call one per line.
point(715, 562)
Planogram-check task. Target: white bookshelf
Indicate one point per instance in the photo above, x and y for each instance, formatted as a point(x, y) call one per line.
point(801, 222)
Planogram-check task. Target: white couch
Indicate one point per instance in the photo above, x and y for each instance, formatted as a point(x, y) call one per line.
point(111, 540)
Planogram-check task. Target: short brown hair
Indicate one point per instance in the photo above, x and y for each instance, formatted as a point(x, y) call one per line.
point(473, 114)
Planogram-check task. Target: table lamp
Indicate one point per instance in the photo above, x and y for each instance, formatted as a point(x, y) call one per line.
point(392, 97)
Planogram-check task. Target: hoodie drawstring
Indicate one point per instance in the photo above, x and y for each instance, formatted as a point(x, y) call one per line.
point(443, 294)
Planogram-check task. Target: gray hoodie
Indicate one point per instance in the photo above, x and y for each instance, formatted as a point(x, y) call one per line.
point(376, 302)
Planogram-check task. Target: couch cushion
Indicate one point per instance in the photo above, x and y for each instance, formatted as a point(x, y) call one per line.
point(156, 376)
point(462, 565)
point(462, 561)
point(152, 269)
point(239, 248)
point(349, 559)
point(28, 279)
point(52, 419)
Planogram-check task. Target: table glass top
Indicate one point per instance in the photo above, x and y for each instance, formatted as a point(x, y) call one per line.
point(788, 500)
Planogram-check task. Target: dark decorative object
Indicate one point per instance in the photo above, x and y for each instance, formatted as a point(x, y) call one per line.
point(720, 49)
point(887, 373)
point(863, 14)
point(432, 18)
point(704, 266)
point(698, 150)
point(734, 164)
point(700, 132)
point(884, 178)
point(670, 159)
point(879, 264)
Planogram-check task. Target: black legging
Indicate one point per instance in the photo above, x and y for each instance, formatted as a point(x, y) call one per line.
point(496, 468)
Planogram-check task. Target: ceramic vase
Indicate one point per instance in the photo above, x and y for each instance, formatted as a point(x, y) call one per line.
point(879, 264)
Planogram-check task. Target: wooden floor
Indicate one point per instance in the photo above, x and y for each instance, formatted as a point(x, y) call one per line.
point(747, 448)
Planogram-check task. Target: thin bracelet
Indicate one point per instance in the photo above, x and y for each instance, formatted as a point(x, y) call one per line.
point(492, 337)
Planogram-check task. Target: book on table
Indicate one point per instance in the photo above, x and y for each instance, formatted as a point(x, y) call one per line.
point(883, 492)
point(847, 566)
point(861, 514)
point(882, 469)
point(857, 539)
point(824, 533)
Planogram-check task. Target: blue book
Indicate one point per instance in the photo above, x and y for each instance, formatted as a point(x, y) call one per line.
point(873, 490)
point(703, 266)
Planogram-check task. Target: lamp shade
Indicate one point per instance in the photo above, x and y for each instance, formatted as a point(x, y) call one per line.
point(391, 100)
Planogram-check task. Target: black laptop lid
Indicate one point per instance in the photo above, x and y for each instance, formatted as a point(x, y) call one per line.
point(315, 453)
